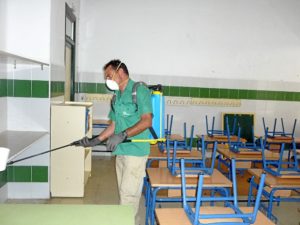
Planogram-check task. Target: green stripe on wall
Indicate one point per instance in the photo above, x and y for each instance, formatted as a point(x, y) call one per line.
point(24, 88)
point(40, 89)
point(27, 174)
point(202, 92)
point(57, 88)
point(3, 178)
point(92, 88)
point(3, 87)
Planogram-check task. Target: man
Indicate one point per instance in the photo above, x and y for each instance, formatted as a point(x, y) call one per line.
point(131, 121)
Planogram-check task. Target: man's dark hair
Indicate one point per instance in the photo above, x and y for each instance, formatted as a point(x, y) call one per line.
point(115, 63)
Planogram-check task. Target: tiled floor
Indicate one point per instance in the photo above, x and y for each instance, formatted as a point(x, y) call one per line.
point(102, 189)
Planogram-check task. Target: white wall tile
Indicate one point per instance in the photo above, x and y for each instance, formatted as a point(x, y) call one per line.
point(40, 190)
point(28, 190)
point(18, 190)
point(57, 72)
point(40, 74)
point(3, 113)
point(28, 114)
point(22, 72)
point(91, 77)
point(3, 70)
point(10, 71)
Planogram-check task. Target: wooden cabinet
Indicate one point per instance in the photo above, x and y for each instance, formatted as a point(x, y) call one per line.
point(70, 166)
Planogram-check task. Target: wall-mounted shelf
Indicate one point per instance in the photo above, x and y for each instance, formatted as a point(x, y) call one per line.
point(15, 59)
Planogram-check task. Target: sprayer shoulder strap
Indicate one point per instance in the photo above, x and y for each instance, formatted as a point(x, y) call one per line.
point(134, 101)
point(133, 94)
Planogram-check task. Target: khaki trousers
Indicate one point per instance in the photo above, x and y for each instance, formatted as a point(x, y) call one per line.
point(130, 175)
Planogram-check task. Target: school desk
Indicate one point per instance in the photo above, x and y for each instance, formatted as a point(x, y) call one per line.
point(175, 137)
point(221, 138)
point(48, 214)
point(161, 179)
point(244, 158)
point(276, 189)
point(100, 123)
point(157, 155)
point(177, 216)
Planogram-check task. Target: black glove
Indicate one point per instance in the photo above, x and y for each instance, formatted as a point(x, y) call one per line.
point(114, 140)
point(87, 142)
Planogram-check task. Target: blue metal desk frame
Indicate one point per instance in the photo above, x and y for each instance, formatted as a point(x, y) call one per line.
point(152, 199)
point(195, 215)
point(271, 195)
point(227, 161)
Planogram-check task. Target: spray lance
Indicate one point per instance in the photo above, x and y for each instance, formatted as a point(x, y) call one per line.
point(75, 143)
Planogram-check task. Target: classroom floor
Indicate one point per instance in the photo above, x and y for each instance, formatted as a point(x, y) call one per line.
point(102, 189)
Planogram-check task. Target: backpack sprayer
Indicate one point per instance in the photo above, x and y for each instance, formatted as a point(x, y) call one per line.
point(157, 129)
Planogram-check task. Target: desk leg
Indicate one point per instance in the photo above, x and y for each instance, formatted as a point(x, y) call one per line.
point(270, 204)
point(153, 205)
point(250, 192)
point(147, 202)
point(226, 164)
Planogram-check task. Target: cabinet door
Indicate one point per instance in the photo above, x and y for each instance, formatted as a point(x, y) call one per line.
point(68, 123)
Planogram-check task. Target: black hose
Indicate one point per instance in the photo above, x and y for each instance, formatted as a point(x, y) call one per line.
point(31, 156)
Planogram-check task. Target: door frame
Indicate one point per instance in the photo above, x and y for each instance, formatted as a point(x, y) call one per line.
point(72, 44)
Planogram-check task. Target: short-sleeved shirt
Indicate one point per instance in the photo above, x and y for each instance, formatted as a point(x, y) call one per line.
point(126, 114)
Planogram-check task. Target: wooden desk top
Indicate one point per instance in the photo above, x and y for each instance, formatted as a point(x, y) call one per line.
point(273, 181)
point(279, 139)
point(177, 216)
point(175, 137)
point(161, 177)
point(101, 121)
point(221, 138)
point(223, 149)
point(157, 154)
point(48, 214)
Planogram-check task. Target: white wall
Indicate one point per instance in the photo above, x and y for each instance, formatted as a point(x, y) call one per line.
point(232, 39)
point(26, 28)
point(251, 44)
point(2, 23)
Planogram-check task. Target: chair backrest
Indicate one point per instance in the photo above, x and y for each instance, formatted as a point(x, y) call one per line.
point(200, 164)
point(189, 142)
point(226, 131)
point(195, 215)
point(274, 132)
point(168, 130)
point(282, 167)
point(237, 146)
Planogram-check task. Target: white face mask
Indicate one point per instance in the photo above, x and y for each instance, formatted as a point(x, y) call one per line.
point(112, 85)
